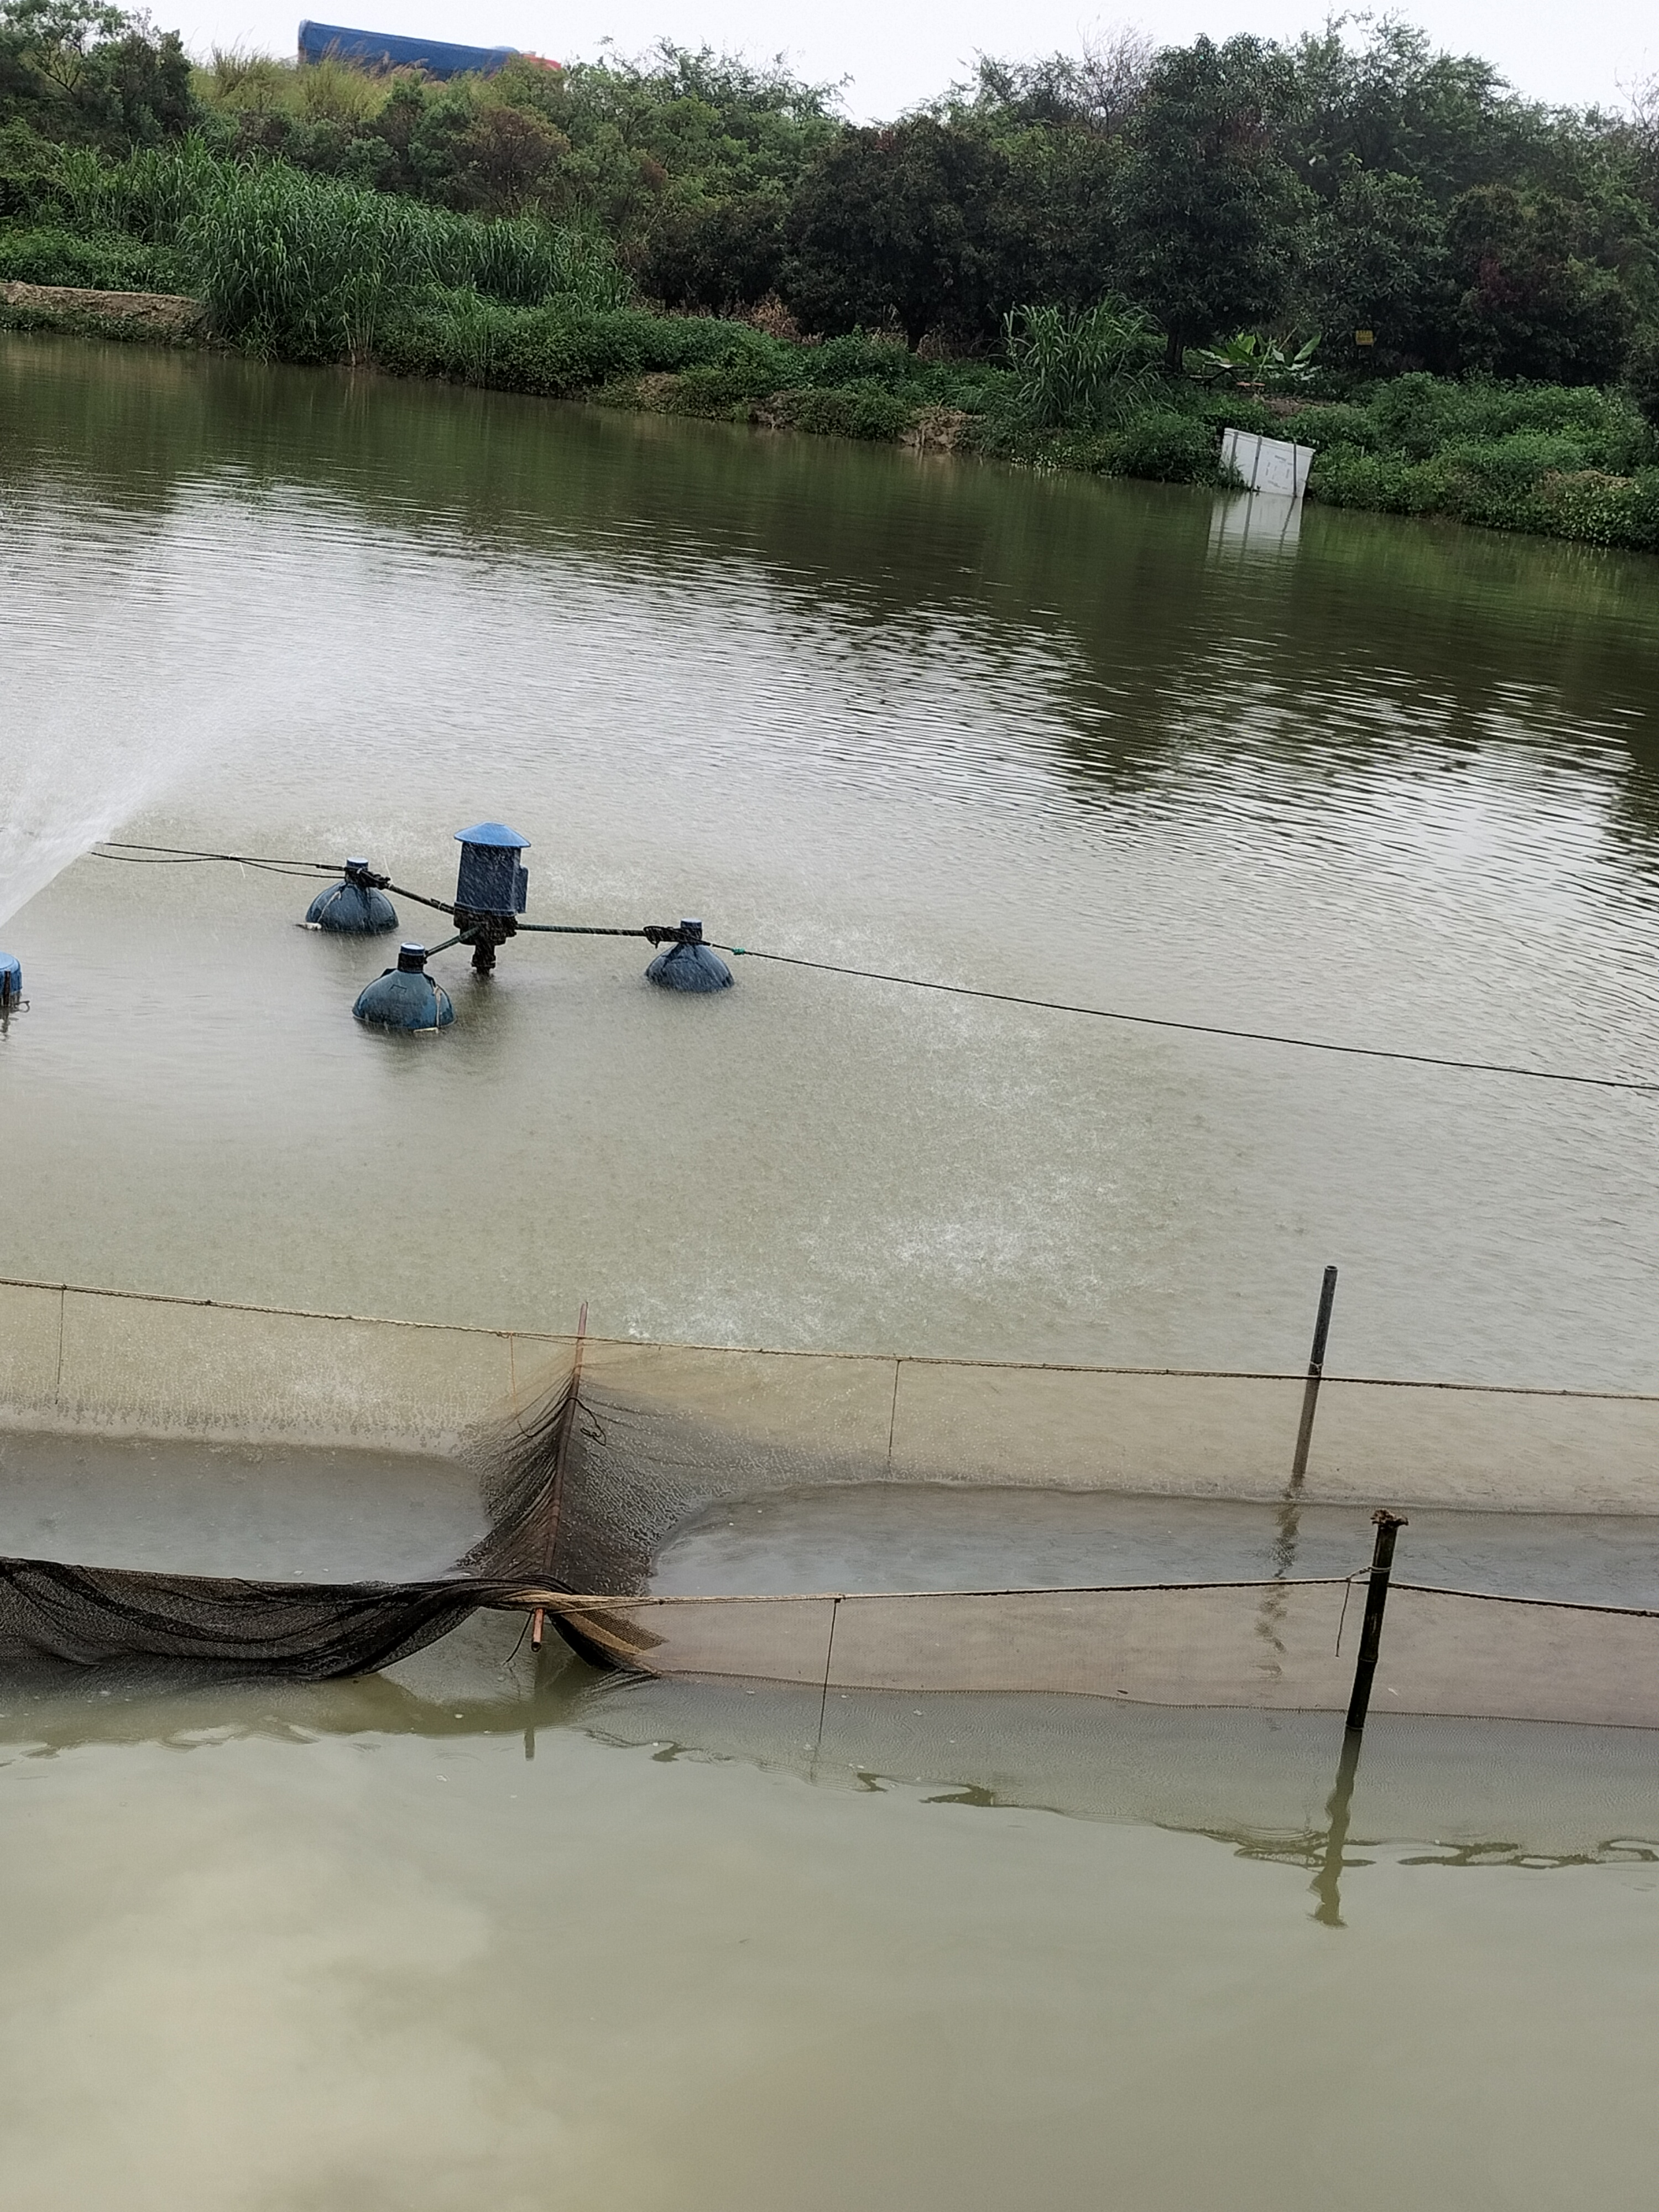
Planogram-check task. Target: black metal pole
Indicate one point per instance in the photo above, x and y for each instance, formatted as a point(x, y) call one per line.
point(1389, 1526)
point(1316, 1370)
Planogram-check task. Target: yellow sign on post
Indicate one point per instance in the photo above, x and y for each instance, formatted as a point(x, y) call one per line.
point(1365, 338)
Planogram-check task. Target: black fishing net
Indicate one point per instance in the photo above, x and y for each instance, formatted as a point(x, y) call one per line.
point(54, 1613)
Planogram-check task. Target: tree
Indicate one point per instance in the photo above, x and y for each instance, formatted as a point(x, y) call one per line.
point(82, 72)
point(505, 159)
point(1531, 304)
point(1377, 261)
point(1097, 90)
point(896, 226)
point(1053, 230)
point(56, 38)
point(1208, 210)
point(716, 259)
point(1446, 121)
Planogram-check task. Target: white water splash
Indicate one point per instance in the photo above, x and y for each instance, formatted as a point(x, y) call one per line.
point(41, 841)
point(67, 778)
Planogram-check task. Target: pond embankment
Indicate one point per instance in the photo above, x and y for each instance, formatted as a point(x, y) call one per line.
point(1544, 460)
point(167, 318)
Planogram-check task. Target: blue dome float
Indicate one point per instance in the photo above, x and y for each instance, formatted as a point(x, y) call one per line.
point(689, 965)
point(405, 997)
point(353, 907)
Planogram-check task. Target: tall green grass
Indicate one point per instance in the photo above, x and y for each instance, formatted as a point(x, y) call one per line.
point(1078, 371)
point(310, 269)
point(307, 268)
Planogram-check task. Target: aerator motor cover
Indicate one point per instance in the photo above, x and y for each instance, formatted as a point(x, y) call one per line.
point(491, 879)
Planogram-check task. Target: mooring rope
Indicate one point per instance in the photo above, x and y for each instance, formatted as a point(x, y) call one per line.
point(163, 856)
point(117, 849)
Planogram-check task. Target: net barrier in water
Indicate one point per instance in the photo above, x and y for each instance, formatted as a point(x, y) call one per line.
point(1274, 1646)
point(52, 1612)
point(582, 1487)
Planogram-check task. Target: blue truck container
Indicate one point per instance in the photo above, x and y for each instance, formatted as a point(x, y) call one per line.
point(387, 50)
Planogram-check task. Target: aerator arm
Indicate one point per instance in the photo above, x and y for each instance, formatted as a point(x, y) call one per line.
point(360, 873)
point(655, 932)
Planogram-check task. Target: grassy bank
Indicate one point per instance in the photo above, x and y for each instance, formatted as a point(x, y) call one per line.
point(293, 266)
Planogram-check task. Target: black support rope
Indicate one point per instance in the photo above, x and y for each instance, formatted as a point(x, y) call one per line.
point(177, 856)
point(1200, 1028)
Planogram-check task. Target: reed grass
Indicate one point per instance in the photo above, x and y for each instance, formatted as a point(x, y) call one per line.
point(307, 268)
point(236, 80)
point(1079, 371)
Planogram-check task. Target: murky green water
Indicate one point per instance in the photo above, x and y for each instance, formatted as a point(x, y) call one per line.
point(1373, 780)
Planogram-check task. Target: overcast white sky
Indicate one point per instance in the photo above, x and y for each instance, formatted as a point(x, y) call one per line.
point(896, 55)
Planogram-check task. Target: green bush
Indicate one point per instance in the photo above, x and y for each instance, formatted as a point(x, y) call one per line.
point(97, 264)
point(1418, 416)
point(858, 358)
point(1324, 426)
point(1493, 486)
point(1603, 510)
point(1346, 475)
point(561, 350)
point(1168, 446)
point(1228, 410)
point(860, 411)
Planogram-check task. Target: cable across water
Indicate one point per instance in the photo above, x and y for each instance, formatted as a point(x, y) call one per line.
point(1202, 1029)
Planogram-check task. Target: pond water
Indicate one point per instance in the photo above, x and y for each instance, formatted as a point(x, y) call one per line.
point(1389, 784)
point(482, 1929)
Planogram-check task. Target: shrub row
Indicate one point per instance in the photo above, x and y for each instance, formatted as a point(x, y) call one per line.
point(1486, 486)
point(94, 264)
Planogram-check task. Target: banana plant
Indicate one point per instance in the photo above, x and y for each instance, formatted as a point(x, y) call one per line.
point(1252, 358)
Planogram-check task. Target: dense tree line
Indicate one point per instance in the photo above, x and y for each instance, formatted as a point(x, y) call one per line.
point(1336, 184)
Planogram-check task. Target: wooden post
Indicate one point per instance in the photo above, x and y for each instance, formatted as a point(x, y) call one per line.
point(1316, 1370)
point(1389, 1526)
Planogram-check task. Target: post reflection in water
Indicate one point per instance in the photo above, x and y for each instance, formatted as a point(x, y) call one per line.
point(1327, 1880)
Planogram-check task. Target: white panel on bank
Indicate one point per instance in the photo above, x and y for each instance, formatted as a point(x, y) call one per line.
point(1269, 464)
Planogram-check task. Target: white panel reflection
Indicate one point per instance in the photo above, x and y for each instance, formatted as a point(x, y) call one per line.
point(1255, 523)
